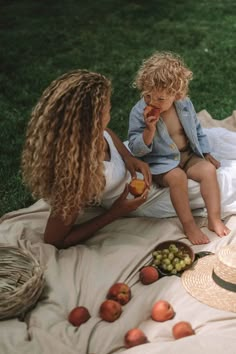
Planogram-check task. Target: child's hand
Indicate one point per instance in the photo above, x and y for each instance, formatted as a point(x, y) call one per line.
point(151, 117)
point(211, 159)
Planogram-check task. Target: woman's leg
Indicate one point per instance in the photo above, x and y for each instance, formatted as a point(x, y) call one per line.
point(177, 182)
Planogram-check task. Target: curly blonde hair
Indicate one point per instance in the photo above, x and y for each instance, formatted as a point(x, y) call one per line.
point(164, 71)
point(62, 160)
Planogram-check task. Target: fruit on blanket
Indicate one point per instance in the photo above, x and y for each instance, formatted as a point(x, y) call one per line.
point(182, 329)
point(148, 275)
point(173, 257)
point(79, 315)
point(137, 187)
point(162, 311)
point(135, 336)
point(153, 112)
point(110, 310)
point(119, 292)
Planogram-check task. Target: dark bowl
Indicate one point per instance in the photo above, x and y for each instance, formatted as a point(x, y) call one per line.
point(183, 252)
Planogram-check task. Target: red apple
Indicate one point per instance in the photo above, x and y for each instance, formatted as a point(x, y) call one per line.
point(119, 292)
point(135, 337)
point(162, 311)
point(137, 187)
point(182, 329)
point(110, 310)
point(148, 275)
point(78, 315)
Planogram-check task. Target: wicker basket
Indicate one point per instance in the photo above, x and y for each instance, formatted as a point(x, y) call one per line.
point(21, 281)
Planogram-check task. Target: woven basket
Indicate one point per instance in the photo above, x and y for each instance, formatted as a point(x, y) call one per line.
point(21, 281)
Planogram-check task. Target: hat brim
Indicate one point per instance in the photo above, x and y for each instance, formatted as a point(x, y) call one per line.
point(199, 283)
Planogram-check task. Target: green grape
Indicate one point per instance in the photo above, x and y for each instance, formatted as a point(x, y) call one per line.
point(170, 267)
point(171, 256)
point(178, 267)
point(166, 261)
point(175, 260)
point(187, 260)
point(157, 261)
point(159, 256)
point(174, 271)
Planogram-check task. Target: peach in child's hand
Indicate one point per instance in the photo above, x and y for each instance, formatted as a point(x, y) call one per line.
point(137, 187)
point(152, 112)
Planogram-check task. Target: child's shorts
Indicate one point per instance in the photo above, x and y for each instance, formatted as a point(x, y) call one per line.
point(187, 159)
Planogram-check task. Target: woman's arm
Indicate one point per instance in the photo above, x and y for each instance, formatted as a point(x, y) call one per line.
point(132, 163)
point(61, 235)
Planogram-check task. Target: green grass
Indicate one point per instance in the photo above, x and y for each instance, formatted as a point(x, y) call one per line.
point(40, 40)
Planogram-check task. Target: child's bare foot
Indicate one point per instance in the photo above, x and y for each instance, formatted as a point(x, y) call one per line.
point(219, 228)
point(195, 235)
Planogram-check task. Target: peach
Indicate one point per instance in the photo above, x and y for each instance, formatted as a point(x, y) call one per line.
point(162, 311)
point(119, 292)
point(148, 275)
point(135, 337)
point(110, 310)
point(137, 187)
point(182, 329)
point(153, 112)
point(78, 315)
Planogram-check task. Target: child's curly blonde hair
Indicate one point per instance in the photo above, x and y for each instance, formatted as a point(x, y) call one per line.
point(62, 160)
point(164, 71)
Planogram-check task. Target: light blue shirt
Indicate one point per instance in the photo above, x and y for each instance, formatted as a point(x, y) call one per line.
point(163, 155)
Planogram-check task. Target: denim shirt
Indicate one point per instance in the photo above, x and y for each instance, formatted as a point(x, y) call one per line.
point(163, 155)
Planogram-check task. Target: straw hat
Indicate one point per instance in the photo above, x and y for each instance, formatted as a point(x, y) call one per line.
point(212, 279)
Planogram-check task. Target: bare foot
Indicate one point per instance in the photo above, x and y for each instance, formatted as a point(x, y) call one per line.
point(195, 235)
point(219, 228)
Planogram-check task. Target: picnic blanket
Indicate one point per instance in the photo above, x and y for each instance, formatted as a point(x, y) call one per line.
point(82, 275)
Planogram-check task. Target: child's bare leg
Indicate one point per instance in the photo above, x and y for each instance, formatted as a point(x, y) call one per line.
point(205, 173)
point(176, 180)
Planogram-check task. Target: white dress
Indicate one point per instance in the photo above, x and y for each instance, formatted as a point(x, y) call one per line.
point(158, 204)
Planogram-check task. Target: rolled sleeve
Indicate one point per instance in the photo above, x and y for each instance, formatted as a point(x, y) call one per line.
point(138, 147)
point(135, 134)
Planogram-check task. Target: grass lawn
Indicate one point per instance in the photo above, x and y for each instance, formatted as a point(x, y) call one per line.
point(40, 40)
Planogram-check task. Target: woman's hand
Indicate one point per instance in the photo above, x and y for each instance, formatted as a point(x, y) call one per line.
point(123, 206)
point(211, 159)
point(133, 164)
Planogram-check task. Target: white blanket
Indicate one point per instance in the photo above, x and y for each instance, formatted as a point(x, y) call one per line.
point(82, 275)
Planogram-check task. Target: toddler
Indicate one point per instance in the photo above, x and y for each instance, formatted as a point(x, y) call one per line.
point(164, 131)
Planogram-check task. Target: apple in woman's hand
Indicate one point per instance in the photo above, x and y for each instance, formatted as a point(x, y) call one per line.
point(79, 315)
point(137, 187)
point(162, 311)
point(182, 329)
point(135, 337)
